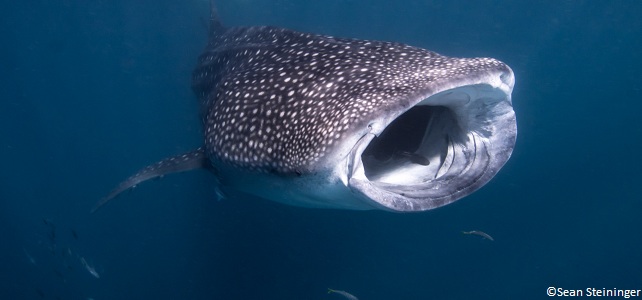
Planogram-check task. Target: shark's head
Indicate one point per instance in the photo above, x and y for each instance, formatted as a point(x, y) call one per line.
point(319, 121)
point(451, 139)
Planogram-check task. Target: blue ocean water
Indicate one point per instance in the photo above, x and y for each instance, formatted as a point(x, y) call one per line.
point(91, 91)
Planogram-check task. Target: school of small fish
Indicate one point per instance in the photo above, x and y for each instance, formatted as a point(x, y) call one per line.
point(56, 250)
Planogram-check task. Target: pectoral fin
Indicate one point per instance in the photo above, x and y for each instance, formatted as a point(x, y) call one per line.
point(184, 162)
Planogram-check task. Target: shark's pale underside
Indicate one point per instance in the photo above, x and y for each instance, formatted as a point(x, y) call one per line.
point(319, 121)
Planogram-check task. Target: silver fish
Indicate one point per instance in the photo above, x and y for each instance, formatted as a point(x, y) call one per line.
point(479, 233)
point(343, 293)
point(89, 268)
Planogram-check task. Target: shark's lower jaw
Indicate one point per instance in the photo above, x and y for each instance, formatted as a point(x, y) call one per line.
point(445, 147)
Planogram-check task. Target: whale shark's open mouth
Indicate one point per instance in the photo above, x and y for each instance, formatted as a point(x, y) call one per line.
point(445, 147)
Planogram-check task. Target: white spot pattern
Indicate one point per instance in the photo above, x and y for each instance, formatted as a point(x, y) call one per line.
point(277, 100)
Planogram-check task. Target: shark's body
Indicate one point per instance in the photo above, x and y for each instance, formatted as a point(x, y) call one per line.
point(318, 121)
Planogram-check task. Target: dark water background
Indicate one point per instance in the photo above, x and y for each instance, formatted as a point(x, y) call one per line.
point(90, 91)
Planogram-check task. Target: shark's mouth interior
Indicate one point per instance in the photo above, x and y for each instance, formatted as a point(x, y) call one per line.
point(442, 149)
point(414, 148)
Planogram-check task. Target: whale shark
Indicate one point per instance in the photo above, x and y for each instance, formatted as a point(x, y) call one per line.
point(319, 121)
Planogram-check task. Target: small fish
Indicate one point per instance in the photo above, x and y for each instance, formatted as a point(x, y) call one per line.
point(89, 268)
point(414, 157)
point(479, 233)
point(59, 274)
point(31, 259)
point(51, 235)
point(67, 266)
point(343, 293)
point(74, 234)
point(49, 224)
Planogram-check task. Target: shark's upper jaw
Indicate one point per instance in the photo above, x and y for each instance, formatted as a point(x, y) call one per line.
point(443, 148)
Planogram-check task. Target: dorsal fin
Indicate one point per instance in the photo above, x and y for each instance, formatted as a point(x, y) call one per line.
point(216, 27)
point(184, 162)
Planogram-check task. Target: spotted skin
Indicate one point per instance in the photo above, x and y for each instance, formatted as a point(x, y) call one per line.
point(278, 100)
